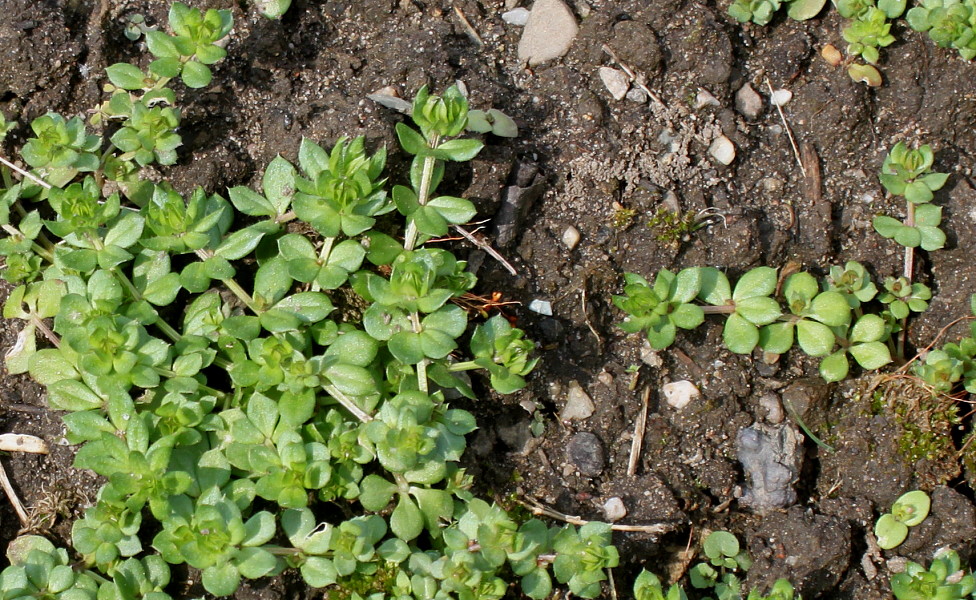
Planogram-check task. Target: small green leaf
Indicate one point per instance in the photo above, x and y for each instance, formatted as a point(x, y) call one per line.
point(917, 192)
point(910, 237)
point(196, 75)
point(801, 10)
point(890, 532)
point(934, 181)
point(407, 521)
point(222, 579)
point(758, 310)
point(871, 355)
point(834, 367)
point(887, 226)
point(720, 544)
point(411, 140)
point(740, 336)
point(816, 339)
point(831, 309)
point(126, 76)
point(912, 508)
point(715, 288)
point(250, 202)
point(459, 150)
point(319, 572)
point(931, 238)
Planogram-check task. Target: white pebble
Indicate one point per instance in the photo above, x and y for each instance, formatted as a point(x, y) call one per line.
point(542, 307)
point(614, 509)
point(518, 17)
point(705, 98)
point(650, 357)
point(723, 150)
point(748, 102)
point(680, 393)
point(616, 82)
point(579, 406)
point(637, 95)
point(781, 97)
point(571, 237)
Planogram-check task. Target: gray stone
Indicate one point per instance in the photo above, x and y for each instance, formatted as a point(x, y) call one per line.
point(579, 406)
point(616, 82)
point(549, 32)
point(771, 456)
point(748, 102)
point(614, 509)
point(585, 451)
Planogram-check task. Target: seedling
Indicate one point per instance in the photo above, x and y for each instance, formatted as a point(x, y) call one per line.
point(945, 579)
point(908, 511)
point(761, 12)
point(660, 310)
point(948, 22)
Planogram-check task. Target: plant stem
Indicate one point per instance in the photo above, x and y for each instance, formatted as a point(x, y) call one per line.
point(410, 237)
point(422, 384)
point(909, 269)
point(323, 258)
point(233, 286)
point(723, 309)
point(50, 335)
point(347, 402)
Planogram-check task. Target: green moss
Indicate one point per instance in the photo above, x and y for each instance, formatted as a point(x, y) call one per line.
point(672, 227)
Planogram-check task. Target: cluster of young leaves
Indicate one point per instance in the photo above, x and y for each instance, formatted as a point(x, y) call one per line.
point(950, 23)
point(825, 320)
point(908, 173)
point(945, 579)
point(211, 379)
point(954, 363)
point(909, 510)
point(870, 26)
point(761, 12)
point(719, 574)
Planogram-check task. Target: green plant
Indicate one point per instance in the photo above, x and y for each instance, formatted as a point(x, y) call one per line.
point(647, 586)
point(302, 357)
point(909, 510)
point(908, 173)
point(945, 579)
point(761, 12)
point(660, 310)
point(869, 28)
point(673, 226)
point(493, 121)
point(948, 22)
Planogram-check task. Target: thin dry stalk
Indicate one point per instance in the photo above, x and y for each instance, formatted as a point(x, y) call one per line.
point(639, 428)
point(12, 496)
point(468, 28)
point(789, 132)
point(539, 509)
point(487, 248)
point(24, 173)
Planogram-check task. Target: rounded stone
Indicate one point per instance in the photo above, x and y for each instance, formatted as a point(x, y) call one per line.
point(585, 451)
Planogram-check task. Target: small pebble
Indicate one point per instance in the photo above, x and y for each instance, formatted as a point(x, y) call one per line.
point(705, 98)
point(781, 97)
point(650, 357)
point(614, 509)
point(637, 95)
point(571, 237)
point(517, 16)
point(579, 406)
point(616, 82)
point(548, 33)
point(585, 451)
point(748, 102)
point(679, 394)
point(542, 307)
point(605, 377)
point(774, 408)
point(723, 150)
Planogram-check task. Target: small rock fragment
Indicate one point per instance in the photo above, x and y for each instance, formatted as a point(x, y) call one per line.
point(650, 357)
point(774, 408)
point(389, 98)
point(832, 55)
point(605, 378)
point(637, 95)
point(781, 97)
point(579, 406)
point(585, 452)
point(771, 456)
point(614, 509)
point(680, 393)
point(571, 237)
point(705, 98)
point(723, 150)
point(517, 16)
point(549, 32)
point(748, 102)
point(616, 81)
point(542, 307)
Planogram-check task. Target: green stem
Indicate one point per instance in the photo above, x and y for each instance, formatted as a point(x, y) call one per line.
point(410, 237)
point(38, 249)
point(722, 309)
point(323, 258)
point(347, 402)
point(422, 383)
point(466, 365)
point(233, 286)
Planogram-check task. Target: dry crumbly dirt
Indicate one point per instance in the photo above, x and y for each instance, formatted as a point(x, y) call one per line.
point(309, 74)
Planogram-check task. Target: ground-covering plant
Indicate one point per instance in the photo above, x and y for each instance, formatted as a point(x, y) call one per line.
point(236, 369)
point(950, 23)
point(719, 574)
point(909, 510)
point(945, 579)
point(843, 316)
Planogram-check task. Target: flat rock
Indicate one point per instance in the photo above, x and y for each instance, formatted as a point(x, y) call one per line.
point(579, 406)
point(748, 102)
point(616, 82)
point(585, 451)
point(549, 32)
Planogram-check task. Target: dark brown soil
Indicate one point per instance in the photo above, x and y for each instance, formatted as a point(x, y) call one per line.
point(309, 74)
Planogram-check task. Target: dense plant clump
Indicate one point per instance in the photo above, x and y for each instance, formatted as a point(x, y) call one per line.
point(215, 371)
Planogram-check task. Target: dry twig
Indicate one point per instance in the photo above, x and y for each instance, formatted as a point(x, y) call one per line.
point(636, 79)
point(789, 132)
point(487, 248)
point(468, 28)
point(12, 496)
point(24, 173)
point(639, 428)
point(539, 509)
